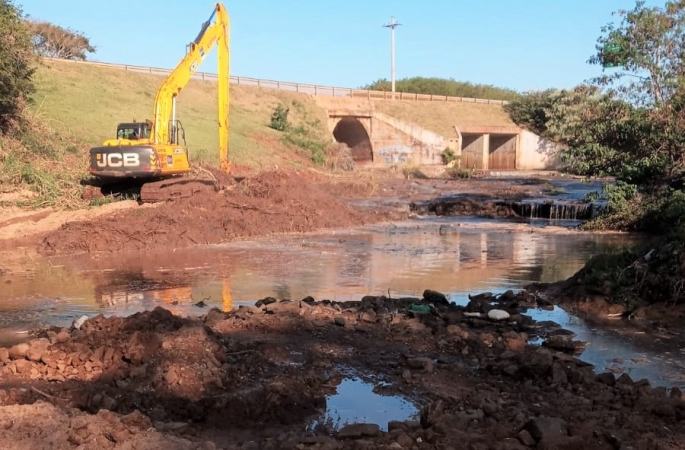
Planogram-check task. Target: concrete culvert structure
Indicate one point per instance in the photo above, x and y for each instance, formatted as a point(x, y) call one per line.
point(350, 131)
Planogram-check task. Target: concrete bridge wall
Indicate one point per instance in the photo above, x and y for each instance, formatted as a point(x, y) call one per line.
point(379, 139)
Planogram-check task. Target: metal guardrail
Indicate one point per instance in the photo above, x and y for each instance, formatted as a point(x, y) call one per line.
point(299, 87)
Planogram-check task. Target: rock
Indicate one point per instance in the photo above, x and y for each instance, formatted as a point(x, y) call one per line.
point(23, 366)
point(437, 298)
point(37, 348)
point(62, 337)
point(283, 307)
point(625, 380)
point(498, 314)
point(358, 430)
point(214, 315)
point(564, 344)
point(404, 440)
point(4, 355)
point(525, 438)
point(78, 323)
point(368, 316)
point(607, 378)
point(265, 301)
point(19, 351)
point(515, 344)
point(171, 376)
point(456, 330)
point(421, 362)
point(140, 347)
point(339, 321)
point(547, 428)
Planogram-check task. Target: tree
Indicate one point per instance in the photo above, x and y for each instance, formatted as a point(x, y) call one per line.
point(16, 64)
point(58, 42)
point(442, 86)
point(648, 47)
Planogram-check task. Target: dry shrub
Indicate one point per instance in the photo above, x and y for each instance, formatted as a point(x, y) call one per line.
point(36, 157)
point(339, 158)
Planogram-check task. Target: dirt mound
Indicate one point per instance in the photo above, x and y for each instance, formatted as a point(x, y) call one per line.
point(272, 202)
point(257, 377)
point(43, 425)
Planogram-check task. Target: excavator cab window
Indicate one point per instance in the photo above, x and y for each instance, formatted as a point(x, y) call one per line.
point(133, 131)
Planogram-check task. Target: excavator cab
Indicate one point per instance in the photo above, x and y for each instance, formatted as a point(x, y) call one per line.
point(134, 130)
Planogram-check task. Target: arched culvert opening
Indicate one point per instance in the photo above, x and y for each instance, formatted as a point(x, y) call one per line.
point(351, 132)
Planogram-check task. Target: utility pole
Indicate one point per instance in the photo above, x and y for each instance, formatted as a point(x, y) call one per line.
point(392, 26)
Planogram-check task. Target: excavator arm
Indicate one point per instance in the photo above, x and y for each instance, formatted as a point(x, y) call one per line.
point(214, 31)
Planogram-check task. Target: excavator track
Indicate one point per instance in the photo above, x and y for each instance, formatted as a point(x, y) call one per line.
point(172, 189)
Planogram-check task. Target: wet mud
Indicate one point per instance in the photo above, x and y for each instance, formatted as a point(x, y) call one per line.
point(261, 377)
point(272, 202)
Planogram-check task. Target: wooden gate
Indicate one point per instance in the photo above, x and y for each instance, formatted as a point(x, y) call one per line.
point(502, 152)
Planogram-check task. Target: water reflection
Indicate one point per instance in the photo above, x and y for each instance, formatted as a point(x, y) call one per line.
point(401, 259)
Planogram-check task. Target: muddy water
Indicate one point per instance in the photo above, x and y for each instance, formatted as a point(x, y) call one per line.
point(454, 256)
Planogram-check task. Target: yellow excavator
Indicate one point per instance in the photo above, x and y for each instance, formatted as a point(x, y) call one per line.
point(152, 155)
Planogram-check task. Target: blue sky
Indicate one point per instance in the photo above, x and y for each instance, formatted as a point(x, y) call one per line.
point(535, 45)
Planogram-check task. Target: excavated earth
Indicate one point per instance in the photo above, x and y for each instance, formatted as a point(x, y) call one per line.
point(255, 377)
point(271, 202)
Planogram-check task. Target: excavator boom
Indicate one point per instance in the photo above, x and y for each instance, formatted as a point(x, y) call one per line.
point(157, 150)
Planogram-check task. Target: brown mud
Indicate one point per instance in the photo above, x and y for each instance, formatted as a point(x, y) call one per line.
point(271, 202)
point(256, 377)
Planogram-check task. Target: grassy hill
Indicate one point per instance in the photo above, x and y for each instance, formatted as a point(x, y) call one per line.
point(77, 106)
point(88, 101)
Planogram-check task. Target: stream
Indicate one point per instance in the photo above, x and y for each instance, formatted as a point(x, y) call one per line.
point(456, 256)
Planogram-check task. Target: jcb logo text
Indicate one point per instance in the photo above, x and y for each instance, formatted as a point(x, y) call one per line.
point(118, 160)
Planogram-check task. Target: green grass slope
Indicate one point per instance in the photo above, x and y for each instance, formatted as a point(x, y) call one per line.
point(88, 101)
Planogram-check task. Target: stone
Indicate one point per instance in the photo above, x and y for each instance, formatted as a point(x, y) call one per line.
point(607, 378)
point(456, 330)
point(405, 441)
point(525, 438)
point(78, 323)
point(369, 316)
point(358, 430)
point(498, 314)
point(4, 355)
point(515, 344)
point(339, 321)
point(547, 428)
point(37, 348)
point(62, 337)
point(19, 351)
point(421, 362)
point(435, 297)
point(23, 365)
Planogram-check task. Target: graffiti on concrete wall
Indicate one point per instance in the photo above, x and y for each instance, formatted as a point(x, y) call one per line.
point(395, 154)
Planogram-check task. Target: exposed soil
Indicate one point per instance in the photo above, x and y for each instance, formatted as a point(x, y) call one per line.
point(272, 202)
point(252, 204)
point(256, 377)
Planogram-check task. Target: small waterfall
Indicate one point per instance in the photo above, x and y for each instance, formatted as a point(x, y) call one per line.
point(552, 211)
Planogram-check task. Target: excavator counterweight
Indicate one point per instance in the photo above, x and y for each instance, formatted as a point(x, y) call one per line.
point(153, 155)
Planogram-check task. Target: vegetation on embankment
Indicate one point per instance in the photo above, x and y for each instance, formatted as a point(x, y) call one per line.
point(441, 117)
point(444, 86)
point(632, 127)
point(69, 107)
point(90, 100)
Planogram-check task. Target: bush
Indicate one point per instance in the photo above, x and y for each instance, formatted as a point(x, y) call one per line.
point(279, 118)
point(448, 156)
point(457, 172)
point(17, 61)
